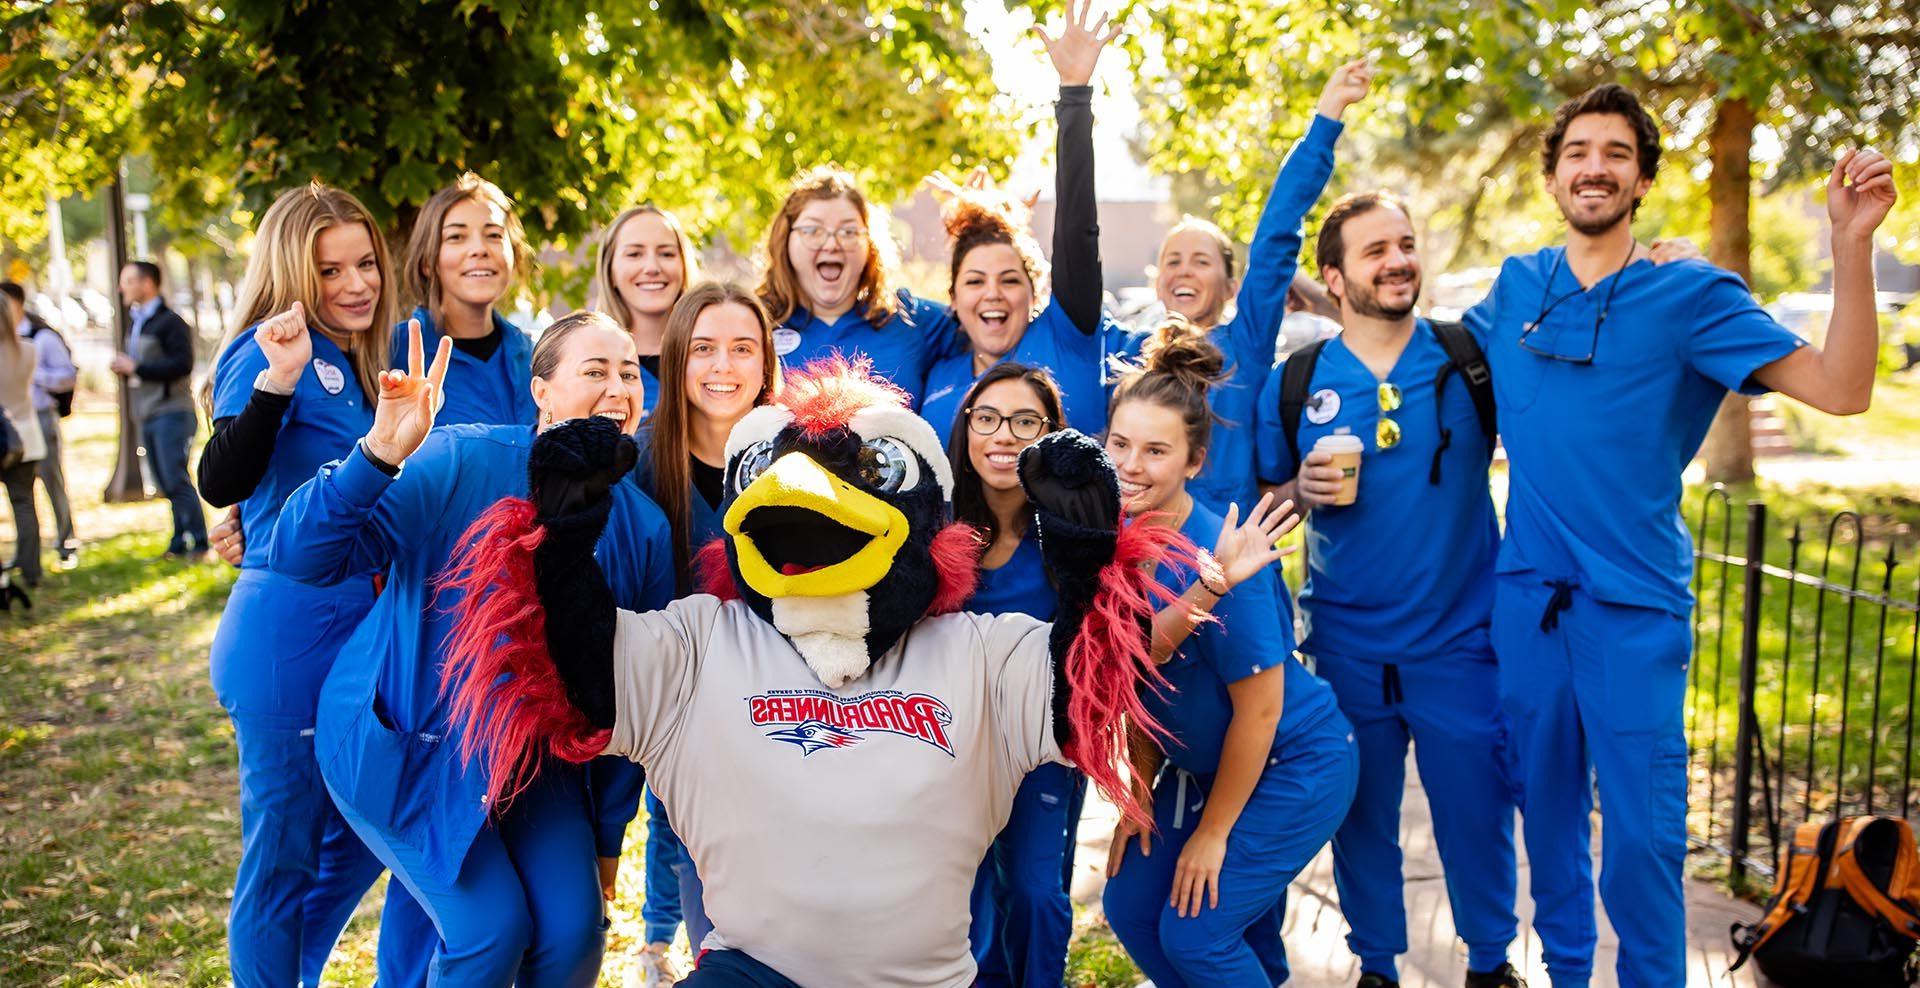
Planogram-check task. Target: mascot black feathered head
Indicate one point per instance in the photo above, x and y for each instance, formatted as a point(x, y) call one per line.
point(836, 519)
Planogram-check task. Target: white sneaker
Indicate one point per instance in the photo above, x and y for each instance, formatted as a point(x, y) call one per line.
point(656, 970)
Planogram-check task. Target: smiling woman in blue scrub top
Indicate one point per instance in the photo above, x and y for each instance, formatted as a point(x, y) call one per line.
point(289, 392)
point(1195, 276)
point(1022, 916)
point(466, 252)
point(1257, 766)
point(645, 262)
point(717, 365)
point(997, 271)
point(829, 286)
point(400, 500)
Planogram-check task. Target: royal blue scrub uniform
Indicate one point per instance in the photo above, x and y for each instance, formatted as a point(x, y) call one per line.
point(1398, 597)
point(673, 886)
point(902, 349)
point(1022, 910)
point(387, 750)
point(1248, 339)
point(1292, 812)
point(1075, 359)
point(496, 391)
point(302, 869)
point(1602, 404)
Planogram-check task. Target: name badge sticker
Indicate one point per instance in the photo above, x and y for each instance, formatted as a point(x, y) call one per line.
point(1323, 406)
point(785, 340)
point(330, 376)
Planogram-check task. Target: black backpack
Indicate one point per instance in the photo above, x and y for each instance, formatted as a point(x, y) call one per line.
point(1463, 357)
point(1844, 908)
point(62, 400)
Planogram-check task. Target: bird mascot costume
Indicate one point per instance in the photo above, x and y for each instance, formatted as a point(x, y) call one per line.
point(838, 739)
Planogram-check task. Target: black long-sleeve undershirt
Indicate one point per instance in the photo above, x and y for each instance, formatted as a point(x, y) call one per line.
point(1077, 274)
point(236, 455)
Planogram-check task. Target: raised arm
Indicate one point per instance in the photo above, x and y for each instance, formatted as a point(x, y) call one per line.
point(1242, 550)
point(1838, 378)
point(1077, 276)
point(253, 390)
point(1275, 251)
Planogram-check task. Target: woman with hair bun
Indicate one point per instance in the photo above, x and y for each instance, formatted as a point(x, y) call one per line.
point(1256, 766)
point(998, 274)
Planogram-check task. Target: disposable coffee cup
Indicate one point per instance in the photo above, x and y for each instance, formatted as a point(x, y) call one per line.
point(1346, 449)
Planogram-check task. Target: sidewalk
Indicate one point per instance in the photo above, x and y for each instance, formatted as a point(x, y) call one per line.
point(1315, 931)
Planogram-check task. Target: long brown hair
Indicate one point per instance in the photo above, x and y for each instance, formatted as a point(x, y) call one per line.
point(780, 288)
point(423, 246)
point(283, 270)
point(673, 414)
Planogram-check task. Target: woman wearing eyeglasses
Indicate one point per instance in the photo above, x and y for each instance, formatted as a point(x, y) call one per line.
point(829, 286)
point(997, 271)
point(1022, 916)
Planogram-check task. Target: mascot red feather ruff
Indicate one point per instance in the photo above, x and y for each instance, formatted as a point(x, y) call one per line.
point(838, 741)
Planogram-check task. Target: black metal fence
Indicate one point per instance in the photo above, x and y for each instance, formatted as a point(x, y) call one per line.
point(1802, 686)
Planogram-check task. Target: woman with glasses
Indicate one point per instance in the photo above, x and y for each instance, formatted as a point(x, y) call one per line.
point(997, 271)
point(829, 286)
point(1022, 916)
point(1256, 765)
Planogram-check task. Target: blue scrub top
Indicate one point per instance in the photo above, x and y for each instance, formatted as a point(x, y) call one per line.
point(921, 332)
point(703, 520)
point(1017, 586)
point(1248, 339)
point(649, 393)
point(497, 391)
point(1596, 450)
point(1404, 573)
point(327, 416)
point(1253, 631)
point(1076, 360)
point(383, 736)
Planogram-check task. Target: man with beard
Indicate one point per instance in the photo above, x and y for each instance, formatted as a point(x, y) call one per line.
point(1607, 372)
point(1399, 589)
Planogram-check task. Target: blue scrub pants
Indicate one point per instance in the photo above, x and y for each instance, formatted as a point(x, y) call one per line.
point(1450, 706)
point(1293, 811)
point(1022, 909)
point(673, 887)
point(166, 437)
point(407, 939)
point(302, 870)
point(525, 908)
point(1594, 694)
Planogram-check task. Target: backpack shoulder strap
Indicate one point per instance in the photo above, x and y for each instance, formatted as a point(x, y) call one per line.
point(1465, 357)
point(1808, 862)
point(1296, 380)
point(1852, 878)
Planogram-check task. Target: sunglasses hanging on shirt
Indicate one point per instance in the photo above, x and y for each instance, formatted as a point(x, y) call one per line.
point(1548, 344)
point(1386, 435)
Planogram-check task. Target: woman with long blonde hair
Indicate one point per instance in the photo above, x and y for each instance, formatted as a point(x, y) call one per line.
point(645, 263)
point(294, 385)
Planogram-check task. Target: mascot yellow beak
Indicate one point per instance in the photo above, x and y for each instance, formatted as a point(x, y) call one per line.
point(800, 531)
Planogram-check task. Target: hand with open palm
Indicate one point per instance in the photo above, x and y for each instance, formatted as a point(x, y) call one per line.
point(1246, 548)
point(1077, 49)
point(408, 401)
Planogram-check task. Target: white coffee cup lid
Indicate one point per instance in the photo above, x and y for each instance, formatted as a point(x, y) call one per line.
point(1339, 443)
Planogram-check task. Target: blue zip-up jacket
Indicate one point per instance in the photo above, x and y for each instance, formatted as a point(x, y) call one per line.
point(383, 738)
point(497, 391)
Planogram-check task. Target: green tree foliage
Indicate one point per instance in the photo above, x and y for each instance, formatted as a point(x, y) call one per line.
point(1469, 87)
point(575, 107)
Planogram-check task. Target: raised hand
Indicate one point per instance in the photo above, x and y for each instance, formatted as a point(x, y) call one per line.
point(1246, 548)
point(408, 401)
point(287, 346)
point(1077, 49)
point(1347, 86)
point(1859, 193)
point(572, 465)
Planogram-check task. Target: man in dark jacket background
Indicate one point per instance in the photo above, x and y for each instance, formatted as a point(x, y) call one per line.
point(158, 366)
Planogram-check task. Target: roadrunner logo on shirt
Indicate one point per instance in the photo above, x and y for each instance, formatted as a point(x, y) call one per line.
point(814, 720)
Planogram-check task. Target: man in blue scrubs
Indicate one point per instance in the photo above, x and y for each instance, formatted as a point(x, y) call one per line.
point(1608, 371)
point(1399, 593)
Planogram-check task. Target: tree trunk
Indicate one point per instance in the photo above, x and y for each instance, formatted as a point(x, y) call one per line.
point(128, 483)
point(1729, 446)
